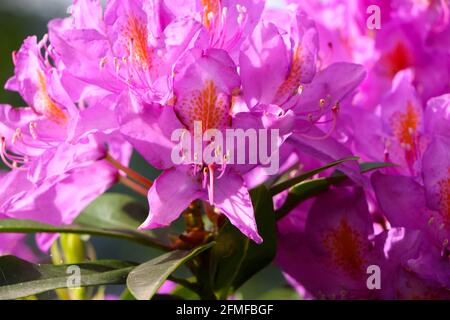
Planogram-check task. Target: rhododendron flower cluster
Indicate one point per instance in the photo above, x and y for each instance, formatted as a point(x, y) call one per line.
point(355, 121)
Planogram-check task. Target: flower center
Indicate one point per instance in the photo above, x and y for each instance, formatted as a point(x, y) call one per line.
point(210, 11)
point(398, 59)
point(345, 246)
point(224, 33)
point(208, 106)
point(137, 42)
point(44, 105)
point(444, 199)
point(405, 127)
point(293, 80)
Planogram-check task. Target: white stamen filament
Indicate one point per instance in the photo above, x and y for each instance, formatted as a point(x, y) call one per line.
point(211, 184)
point(10, 160)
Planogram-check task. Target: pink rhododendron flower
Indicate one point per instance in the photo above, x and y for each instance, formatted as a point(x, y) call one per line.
point(36, 144)
point(227, 97)
point(336, 245)
point(422, 207)
point(204, 82)
point(309, 98)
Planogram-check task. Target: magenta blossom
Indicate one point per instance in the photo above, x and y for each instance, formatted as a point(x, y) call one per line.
point(406, 202)
point(225, 23)
point(336, 245)
point(132, 45)
point(401, 129)
point(36, 143)
point(278, 67)
point(204, 86)
point(411, 34)
point(15, 244)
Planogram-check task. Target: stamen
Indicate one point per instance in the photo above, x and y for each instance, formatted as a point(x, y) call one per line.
point(223, 167)
point(14, 57)
point(103, 62)
point(242, 21)
point(322, 103)
point(130, 172)
point(133, 185)
point(211, 184)
point(224, 14)
point(32, 127)
point(17, 135)
point(11, 161)
point(330, 132)
point(205, 178)
point(116, 64)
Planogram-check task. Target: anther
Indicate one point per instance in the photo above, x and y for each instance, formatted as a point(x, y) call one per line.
point(210, 16)
point(103, 62)
point(117, 64)
point(14, 57)
point(32, 127)
point(17, 135)
point(322, 102)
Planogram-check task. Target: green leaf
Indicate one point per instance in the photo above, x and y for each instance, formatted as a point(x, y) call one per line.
point(370, 166)
point(302, 192)
point(259, 256)
point(310, 188)
point(227, 257)
point(126, 295)
point(145, 280)
point(185, 293)
point(29, 226)
point(235, 258)
point(280, 294)
point(22, 279)
point(280, 187)
point(365, 167)
point(113, 210)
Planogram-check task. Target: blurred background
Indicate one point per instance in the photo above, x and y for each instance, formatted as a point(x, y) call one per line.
point(21, 18)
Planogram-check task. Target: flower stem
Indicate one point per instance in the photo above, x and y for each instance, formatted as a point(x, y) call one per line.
point(134, 186)
point(130, 172)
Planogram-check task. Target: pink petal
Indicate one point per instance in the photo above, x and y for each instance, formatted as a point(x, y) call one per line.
point(170, 195)
point(232, 198)
point(401, 199)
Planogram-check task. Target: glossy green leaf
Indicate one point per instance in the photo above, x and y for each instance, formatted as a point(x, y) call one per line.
point(145, 280)
point(29, 226)
point(310, 188)
point(113, 210)
point(280, 294)
point(22, 279)
point(280, 187)
point(236, 258)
